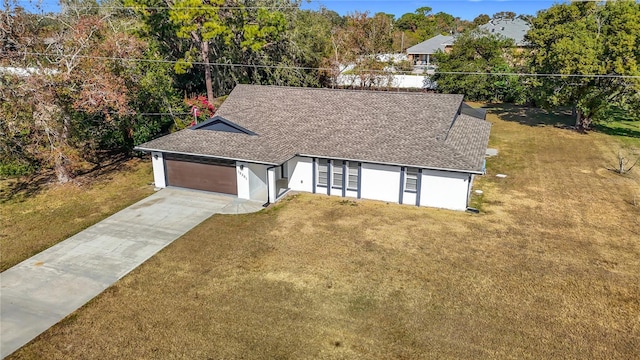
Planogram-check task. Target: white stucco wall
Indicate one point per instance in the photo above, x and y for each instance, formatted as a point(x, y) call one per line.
point(380, 182)
point(242, 175)
point(258, 182)
point(444, 189)
point(409, 198)
point(300, 173)
point(271, 180)
point(336, 191)
point(158, 169)
point(252, 181)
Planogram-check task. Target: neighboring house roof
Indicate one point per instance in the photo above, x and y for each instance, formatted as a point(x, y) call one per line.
point(409, 129)
point(431, 46)
point(514, 29)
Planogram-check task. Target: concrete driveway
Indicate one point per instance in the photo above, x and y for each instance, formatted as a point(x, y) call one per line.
point(42, 290)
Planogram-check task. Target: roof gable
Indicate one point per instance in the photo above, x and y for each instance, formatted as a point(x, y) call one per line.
point(473, 112)
point(218, 123)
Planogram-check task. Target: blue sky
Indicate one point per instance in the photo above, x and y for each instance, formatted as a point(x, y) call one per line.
point(465, 9)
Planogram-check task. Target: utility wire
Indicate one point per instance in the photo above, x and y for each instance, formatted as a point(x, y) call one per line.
point(609, 76)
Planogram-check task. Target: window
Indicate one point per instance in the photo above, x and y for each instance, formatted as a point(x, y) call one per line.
point(411, 180)
point(353, 175)
point(323, 168)
point(336, 180)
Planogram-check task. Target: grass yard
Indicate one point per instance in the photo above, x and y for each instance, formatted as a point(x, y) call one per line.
point(35, 218)
point(549, 269)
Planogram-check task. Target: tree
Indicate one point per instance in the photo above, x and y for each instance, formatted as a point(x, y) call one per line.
point(588, 38)
point(480, 52)
point(82, 100)
point(422, 24)
point(201, 22)
point(214, 30)
point(625, 160)
point(310, 38)
point(481, 20)
point(506, 15)
point(414, 21)
point(358, 43)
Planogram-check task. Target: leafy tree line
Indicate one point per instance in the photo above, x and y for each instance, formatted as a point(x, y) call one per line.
point(104, 77)
point(97, 79)
point(81, 103)
point(577, 38)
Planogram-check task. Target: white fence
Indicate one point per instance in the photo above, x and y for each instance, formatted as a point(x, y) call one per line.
point(386, 81)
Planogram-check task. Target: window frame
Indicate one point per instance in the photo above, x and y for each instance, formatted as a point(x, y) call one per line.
point(337, 165)
point(326, 173)
point(411, 174)
point(352, 166)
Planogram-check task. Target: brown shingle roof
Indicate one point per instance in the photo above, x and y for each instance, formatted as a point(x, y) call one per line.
point(413, 129)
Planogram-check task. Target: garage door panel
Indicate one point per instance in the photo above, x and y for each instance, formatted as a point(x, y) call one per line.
point(202, 176)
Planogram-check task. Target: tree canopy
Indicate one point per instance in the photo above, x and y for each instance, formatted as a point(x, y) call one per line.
point(588, 38)
point(480, 52)
point(98, 78)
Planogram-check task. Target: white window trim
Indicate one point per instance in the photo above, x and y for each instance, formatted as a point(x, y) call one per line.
point(351, 165)
point(326, 165)
point(411, 174)
point(336, 165)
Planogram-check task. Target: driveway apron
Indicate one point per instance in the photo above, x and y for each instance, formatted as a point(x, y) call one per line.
point(42, 290)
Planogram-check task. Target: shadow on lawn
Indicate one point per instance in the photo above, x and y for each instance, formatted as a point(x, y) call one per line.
point(613, 129)
point(532, 116)
point(19, 189)
point(24, 187)
point(561, 118)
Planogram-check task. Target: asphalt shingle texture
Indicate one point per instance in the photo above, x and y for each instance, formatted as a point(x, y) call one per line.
point(430, 46)
point(514, 29)
point(411, 129)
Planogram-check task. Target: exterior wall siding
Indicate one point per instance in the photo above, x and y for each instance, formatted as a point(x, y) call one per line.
point(380, 182)
point(242, 172)
point(444, 189)
point(440, 189)
point(157, 161)
point(300, 173)
point(252, 181)
point(258, 182)
point(409, 198)
point(351, 193)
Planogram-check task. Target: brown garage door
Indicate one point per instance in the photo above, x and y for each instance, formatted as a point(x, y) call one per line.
point(201, 173)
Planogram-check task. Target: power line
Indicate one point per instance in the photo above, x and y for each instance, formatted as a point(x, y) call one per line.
point(288, 67)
